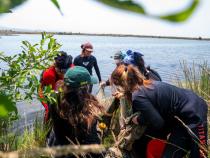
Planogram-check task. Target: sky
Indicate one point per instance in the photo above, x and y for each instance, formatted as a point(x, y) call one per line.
point(89, 16)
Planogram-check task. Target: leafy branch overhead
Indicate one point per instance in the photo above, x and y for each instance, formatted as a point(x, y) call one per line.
point(131, 6)
point(19, 79)
point(127, 5)
point(6, 5)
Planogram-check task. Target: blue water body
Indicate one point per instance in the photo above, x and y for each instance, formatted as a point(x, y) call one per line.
point(164, 55)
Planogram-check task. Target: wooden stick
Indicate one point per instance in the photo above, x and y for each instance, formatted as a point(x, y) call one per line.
point(55, 151)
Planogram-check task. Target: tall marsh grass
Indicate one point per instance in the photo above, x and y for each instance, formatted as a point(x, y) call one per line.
point(197, 78)
point(34, 137)
point(14, 140)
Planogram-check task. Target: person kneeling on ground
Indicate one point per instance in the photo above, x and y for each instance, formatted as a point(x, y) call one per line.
point(74, 118)
point(51, 75)
point(166, 110)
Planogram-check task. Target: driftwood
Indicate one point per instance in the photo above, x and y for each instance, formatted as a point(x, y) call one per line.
point(54, 151)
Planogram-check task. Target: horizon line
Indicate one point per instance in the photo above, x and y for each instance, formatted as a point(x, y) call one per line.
point(4, 32)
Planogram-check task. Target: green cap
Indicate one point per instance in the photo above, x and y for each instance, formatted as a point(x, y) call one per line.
point(78, 76)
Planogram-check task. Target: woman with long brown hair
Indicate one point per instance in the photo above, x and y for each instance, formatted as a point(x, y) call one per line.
point(164, 109)
point(74, 118)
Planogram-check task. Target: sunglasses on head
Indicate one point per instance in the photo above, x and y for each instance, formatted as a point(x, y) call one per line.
point(90, 51)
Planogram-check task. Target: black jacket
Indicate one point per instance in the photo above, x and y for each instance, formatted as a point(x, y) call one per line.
point(88, 62)
point(161, 102)
point(62, 131)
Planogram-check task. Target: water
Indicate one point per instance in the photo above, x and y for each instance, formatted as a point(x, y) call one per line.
point(164, 55)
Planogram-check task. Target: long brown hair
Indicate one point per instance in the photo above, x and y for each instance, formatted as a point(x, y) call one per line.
point(129, 78)
point(78, 106)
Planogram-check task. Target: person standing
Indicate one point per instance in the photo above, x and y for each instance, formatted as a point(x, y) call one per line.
point(51, 75)
point(85, 59)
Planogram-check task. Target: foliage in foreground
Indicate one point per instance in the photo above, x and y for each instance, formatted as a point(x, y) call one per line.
point(127, 5)
point(19, 79)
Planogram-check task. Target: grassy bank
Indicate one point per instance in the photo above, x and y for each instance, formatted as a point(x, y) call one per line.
point(197, 79)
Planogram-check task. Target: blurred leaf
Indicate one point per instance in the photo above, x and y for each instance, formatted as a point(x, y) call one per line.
point(183, 15)
point(55, 2)
point(125, 5)
point(134, 7)
point(6, 106)
point(6, 5)
point(129, 5)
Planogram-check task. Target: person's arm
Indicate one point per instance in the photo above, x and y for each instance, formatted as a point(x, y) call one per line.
point(104, 84)
point(149, 115)
point(97, 70)
point(41, 96)
point(45, 81)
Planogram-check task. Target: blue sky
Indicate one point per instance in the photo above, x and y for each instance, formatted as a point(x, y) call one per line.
point(88, 16)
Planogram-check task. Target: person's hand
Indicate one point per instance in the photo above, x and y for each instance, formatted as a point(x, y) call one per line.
point(135, 120)
point(118, 95)
point(102, 84)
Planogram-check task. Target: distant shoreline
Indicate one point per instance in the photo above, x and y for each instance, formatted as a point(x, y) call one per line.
point(11, 32)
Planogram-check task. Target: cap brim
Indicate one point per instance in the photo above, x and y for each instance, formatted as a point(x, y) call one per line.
point(89, 49)
point(94, 80)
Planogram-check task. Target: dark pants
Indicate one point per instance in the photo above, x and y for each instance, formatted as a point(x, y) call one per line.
point(181, 142)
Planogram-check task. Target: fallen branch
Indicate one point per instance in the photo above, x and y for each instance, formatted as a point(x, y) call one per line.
point(55, 151)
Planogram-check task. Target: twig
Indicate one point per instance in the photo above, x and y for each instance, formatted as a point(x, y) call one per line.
point(55, 151)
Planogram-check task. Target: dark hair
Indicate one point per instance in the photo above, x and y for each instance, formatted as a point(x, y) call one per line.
point(79, 107)
point(63, 61)
point(140, 63)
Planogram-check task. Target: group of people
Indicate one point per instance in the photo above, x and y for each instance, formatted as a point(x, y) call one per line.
point(175, 118)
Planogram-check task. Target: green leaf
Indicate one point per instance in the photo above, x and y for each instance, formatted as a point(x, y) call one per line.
point(129, 5)
point(6, 5)
point(6, 106)
point(55, 2)
point(125, 5)
point(51, 43)
point(183, 15)
point(26, 43)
